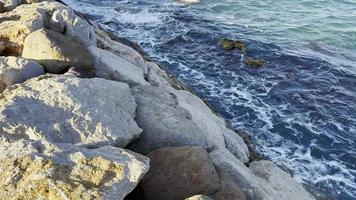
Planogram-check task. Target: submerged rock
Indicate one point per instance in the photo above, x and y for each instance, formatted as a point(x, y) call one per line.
point(110, 66)
point(254, 62)
point(55, 51)
point(228, 44)
point(179, 173)
point(17, 70)
point(66, 109)
point(40, 170)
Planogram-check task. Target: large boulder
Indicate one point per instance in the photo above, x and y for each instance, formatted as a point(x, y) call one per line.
point(164, 122)
point(66, 109)
point(255, 183)
point(228, 188)
point(110, 66)
point(41, 170)
point(26, 18)
point(179, 173)
point(17, 70)
point(55, 51)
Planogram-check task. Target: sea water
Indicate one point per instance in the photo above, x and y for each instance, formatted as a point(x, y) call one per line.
point(300, 108)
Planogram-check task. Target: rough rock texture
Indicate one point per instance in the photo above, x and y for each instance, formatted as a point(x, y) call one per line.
point(199, 197)
point(109, 66)
point(40, 170)
point(236, 146)
point(17, 24)
point(17, 70)
point(66, 109)
point(251, 183)
point(55, 51)
point(164, 121)
point(279, 183)
point(228, 190)
point(179, 173)
point(121, 50)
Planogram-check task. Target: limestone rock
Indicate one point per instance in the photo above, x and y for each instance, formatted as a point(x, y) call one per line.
point(261, 182)
point(179, 173)
point(121, 50)
point(17, 70)
point(66, 109)
point(55, 51)
point(109, 66)
point(236, 146)
point(17, 24)
point(279, 184)
point(157, 76)
point(199, 197)
point(164, 122)
point(40, 170)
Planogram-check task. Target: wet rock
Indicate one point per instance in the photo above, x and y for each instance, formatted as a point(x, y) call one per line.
point(56, 52)
point(254, 62)
point(17, 70)
point(110, 66)
point(228, 44)
point(40, 170)
point(179, 173)
point(199, 197)
point(66, 109)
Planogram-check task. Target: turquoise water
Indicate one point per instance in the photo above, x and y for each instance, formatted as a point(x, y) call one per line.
point(300, 108)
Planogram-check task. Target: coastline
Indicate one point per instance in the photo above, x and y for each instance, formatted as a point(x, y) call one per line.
point(151, 102)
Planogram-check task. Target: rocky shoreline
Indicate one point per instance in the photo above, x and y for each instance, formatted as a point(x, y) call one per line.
point(83, 116)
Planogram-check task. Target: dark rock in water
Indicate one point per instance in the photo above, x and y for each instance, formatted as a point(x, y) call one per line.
point(228, 44)
point(255, 62)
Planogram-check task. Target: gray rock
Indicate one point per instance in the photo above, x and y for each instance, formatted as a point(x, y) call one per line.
point(17, 70)
point(179, 173)
point(236, 146)
point(55, 51)
point(164, 122)
point(66, 109)
point(109, 66)
point(256, 183)
point(199, 197)
point(40, 170)
point(228, 188)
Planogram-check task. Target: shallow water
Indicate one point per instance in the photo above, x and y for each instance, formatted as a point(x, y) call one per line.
point(300, 107)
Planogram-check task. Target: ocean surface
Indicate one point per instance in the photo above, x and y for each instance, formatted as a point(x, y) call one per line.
point(300, 107)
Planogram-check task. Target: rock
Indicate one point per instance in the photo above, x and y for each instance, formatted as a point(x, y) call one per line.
point(121, 50)
point(179, 173)
point(279, 186)
point(164, 122)
point(2, 7)
point(228, 44)
point(109, 66)
point(8, 48)
point(55, 51)
point(236, 146)
point(254, 62)
point(228, 190)
point(27, 18)
point(66, 109)
point(40, 170)
point(199, 197)
point(81, 73)
point(157, 76)
point(17, 70)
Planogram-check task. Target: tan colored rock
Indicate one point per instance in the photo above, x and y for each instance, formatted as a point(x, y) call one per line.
point(67, 109)
point(27, 18)
point(56, 52)
point(199, 197)
point(179, 173)
point(17, 70)
point(40, 170)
